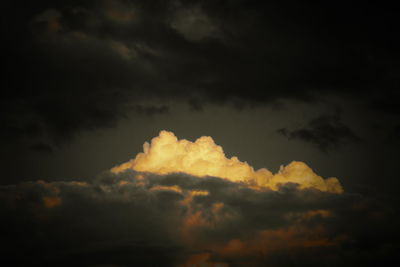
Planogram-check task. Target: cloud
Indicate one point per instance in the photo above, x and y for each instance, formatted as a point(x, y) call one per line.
point(141, 218)
point(183, 203)
point(41, 147)
point(120, 12)
point(51, 19)
point(387, 103)
point(114, 54)
point(150, 110)
point(166, 154)
point(194, 24)
point(325, 132)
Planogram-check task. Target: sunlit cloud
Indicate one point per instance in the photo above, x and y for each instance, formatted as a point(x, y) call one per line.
point(190, 205)
point(166, 154)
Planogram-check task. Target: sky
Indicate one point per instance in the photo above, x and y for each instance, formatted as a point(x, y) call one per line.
point(199, 133)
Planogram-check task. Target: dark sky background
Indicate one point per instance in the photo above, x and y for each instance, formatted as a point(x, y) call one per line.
point(86, 83)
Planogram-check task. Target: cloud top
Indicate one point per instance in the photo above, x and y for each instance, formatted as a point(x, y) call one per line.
point(167, 154)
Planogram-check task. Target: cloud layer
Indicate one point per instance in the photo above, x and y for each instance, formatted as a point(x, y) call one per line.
point(133, 218)
point(118, 54)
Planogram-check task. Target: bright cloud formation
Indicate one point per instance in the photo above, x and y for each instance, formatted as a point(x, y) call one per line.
point(182, 203)
point(166, 154)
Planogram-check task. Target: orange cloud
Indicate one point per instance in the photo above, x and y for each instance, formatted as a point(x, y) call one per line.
point(201, 260)
point(166, 154)
point(267, 242)
point(51, 202)
point(174, 188)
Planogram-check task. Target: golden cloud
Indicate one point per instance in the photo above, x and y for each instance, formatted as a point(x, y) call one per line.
point(166, 154)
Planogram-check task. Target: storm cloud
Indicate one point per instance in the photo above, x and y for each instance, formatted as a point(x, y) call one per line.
point(86, 81)
point(74, 66)
point(131, 219)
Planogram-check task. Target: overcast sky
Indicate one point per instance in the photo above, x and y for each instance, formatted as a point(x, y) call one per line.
point(86, 83)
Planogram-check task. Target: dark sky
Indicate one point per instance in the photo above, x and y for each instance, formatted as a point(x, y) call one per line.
point(86, 83)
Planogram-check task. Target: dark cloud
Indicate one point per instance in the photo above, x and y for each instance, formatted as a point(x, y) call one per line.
point(41, 147)
point(393, 136)
point(133, 219)
point(74, 66)
point(325, 132)
point(387, 103)
point(150, 110)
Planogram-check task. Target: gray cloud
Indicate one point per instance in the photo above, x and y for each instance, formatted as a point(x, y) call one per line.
point(42, 147)
point(144, 219)
point(193, 24)
point(88, 62)
point(325, 132)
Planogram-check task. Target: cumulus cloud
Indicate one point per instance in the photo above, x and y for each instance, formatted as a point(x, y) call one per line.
point(166, 154)
point(183, 203)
